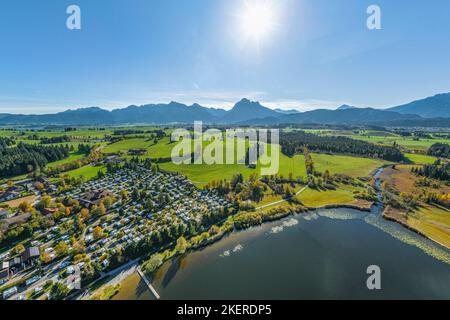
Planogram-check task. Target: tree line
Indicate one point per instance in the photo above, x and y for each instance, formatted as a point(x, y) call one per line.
point(440, 150)
point(25, 158)
point(436, 171)
point(295, 142)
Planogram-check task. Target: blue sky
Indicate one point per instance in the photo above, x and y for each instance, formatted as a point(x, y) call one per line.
point(319, 54)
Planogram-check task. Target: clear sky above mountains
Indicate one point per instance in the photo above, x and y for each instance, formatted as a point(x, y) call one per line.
point(317, 53)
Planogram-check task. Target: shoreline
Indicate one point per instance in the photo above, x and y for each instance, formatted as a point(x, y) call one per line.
point(368, 206)
point(224, 234)
point(399, 218)
point(118, 278)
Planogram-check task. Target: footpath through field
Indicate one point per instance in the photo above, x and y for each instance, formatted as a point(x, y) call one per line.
point(281, 201)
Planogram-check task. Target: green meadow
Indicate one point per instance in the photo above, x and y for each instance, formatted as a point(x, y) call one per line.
point(162, 149)
point(72, 157)
point(351, 166)
point(88, 172)
point(316, 199)
point(409, 143)
point(203, 173)
point(420, 158)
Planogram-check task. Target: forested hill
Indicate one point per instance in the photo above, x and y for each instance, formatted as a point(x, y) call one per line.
point(293, 142)
point(440, 150)
point(24, 158)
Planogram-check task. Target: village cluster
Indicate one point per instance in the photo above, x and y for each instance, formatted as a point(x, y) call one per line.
point(141, 202)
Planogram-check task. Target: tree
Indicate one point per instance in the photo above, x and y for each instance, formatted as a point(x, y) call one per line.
point(25, 207)
point(59, 291)
point(79, 247)
point(45, 202)
point(18, 249)
point(98, 232)
point(135, 194)
point(215, 230)
point(39, 185)
point(61, 249)
point(124, 195)
point(153, 263)
point(181, 245)
point(102, 209)
point(84, 214)
point(327, 176)
point(108, 201)
point(45, 258)
point(99, 210)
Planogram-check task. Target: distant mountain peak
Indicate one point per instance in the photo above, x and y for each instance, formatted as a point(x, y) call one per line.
point(247, 109)
point(246, 103)
point(437, 106)
point(346, 107)
point(84, 110)
point(431, 107)
point(284, 111)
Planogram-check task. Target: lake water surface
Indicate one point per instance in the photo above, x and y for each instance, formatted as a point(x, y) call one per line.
point(317, 255)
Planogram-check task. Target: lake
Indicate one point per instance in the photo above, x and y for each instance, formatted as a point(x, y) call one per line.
point(317, 255)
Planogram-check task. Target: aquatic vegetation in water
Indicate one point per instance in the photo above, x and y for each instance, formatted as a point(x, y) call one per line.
point(225, 254)
point(286, 224)
point(341, 214)
point(310, 217)
point(403, 235)
point(277, 229)
point(236, 249)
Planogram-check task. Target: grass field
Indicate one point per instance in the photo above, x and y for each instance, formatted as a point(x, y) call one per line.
point(202, 174)
point(317, 199)
point(427, 219)
point(404, 181)
point(433, 222)
point(419, 145)
point(72, 157)
point(162, 149)
point(351, 166)
point(420, 158)
point(15, 203)
point(88, 172)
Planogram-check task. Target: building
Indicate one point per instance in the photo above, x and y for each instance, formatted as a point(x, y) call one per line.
point(4, 275)
point(9, 195)
point(137, 152)
point(31, 254)
point(15, 262)
point(95, 197)
point(4, 214)
point(113, 159)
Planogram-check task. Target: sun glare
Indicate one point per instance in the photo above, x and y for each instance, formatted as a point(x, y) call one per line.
point(258, 19)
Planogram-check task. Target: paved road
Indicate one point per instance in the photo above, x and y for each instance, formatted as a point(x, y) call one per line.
point(51, 274)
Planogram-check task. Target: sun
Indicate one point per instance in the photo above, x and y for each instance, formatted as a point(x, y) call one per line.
point(258, 19)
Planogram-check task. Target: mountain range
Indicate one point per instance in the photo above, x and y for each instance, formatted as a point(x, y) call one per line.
point(428, 111)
